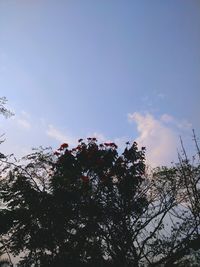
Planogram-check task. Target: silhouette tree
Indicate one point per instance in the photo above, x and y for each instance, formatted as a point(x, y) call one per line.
point(91, 206)
point(179, 243)
point(3, 220)
point(75, 207)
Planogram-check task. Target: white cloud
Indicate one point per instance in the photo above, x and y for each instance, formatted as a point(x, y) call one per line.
point(167, 118)
point(160, 139)
point(183, 124)
point(23, 120)
point(24, 123)
point(25, 114)
point(59, 136)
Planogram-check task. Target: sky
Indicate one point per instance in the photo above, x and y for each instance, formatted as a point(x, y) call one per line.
point(117, 70)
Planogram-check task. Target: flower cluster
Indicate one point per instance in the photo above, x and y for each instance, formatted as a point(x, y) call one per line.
point(63, 146)
point(90, 162)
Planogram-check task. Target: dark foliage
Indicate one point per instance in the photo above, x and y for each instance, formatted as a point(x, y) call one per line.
point(76, 207)
point(90, 206)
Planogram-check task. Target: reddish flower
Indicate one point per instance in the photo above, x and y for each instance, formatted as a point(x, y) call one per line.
point(113, 145)
point(85, 179)
point(107, 144)
point(78, 148)
point(63, 146)
point(56, 153)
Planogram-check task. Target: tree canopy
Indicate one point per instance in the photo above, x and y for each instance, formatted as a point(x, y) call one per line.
point(93, 206)
point(75, 206)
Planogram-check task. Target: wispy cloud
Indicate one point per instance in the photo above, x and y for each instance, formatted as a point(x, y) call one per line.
point(181, 124)
point(158, 135)
point(24, 123)
point(23, 120)
point(59, 136)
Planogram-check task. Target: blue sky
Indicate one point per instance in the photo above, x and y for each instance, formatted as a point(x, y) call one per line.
point(121, 70)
